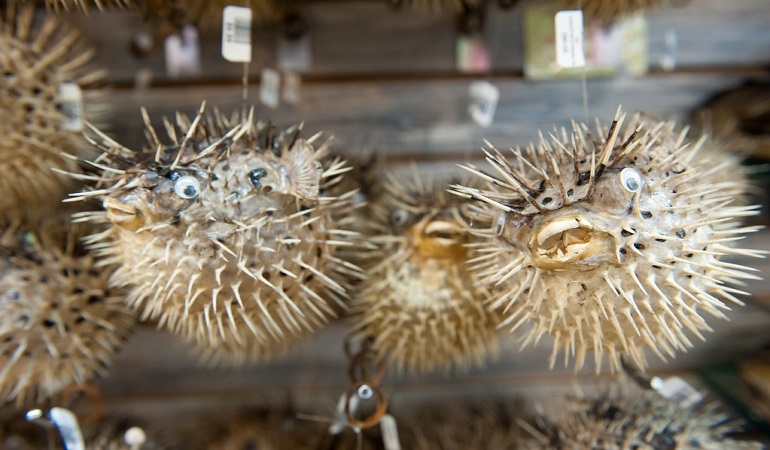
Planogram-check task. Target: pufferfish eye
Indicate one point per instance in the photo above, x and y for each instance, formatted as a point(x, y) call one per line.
point(500, 223)
point(187, 187)
point(399, 216)
point(631, 179)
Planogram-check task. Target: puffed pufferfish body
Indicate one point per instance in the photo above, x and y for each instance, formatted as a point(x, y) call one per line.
point(419, 303)
point(611, 244)
point(60, 321)
point(640, 420)
point(38, 66)
point(608, 12)
point(227, 236)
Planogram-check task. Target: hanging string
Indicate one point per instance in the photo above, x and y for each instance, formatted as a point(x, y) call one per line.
point(245, 83)
point(583, 73)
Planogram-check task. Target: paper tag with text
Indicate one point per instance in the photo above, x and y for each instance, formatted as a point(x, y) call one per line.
point(183, 53)
point(270, 88)
point(294, 55)
point(471, 54)
point(71, 101)
point(569, 39)
point(236, 34)
point(483, 102)
point(292, 88)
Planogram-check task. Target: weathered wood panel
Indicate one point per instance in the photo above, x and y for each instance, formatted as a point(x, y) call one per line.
point(429, 119)
point(368, 38)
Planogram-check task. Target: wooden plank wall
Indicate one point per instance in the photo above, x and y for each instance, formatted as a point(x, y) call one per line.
point(385, 80)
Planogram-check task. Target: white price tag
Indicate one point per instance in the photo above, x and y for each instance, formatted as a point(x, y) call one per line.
point(236, 34)
point(677, 390)
point(270, 88)
point(183, 53)
point(569, 39)
point(668, 60)
point(389, 430)
point(483, 105)
point(294, 55)
point(292, 88)
point(71, 101)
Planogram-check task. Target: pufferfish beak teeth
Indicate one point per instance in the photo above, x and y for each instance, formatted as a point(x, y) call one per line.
point(119, 212)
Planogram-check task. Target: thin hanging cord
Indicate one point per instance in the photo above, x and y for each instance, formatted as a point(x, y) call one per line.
point(583, 80)
point(245, 82)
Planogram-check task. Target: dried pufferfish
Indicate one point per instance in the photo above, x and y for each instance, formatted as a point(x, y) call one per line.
point(419, 303)
point(227, 235)
point(741, 118)
point(60, 322)
point(36, 65)
point(611, 245)
point(607, 12)
point(644, 421)
point(201, 12)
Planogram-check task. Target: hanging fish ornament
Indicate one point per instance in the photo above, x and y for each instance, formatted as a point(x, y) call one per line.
point(640, 420)
point(42, 108)
point(60, 321)
point(609, 12)
point(226, 234)
point(612, 243)
point(419, 303)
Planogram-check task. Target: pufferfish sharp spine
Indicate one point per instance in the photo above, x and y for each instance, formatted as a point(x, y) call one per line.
point(227, 235)
point(419, 304)
point(613, 242)
point(60, 321)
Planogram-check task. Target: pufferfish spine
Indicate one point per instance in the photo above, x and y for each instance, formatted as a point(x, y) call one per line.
point(419, 303)
point(36, 64)
point(86, 5)
point(227, 235)
point(641, 420)
point(60, 322)
point(611, 244)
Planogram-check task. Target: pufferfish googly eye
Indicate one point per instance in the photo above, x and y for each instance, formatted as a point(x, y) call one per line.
point(631, 179)
point(187, 187)
point(399, 217)
point(500, 223)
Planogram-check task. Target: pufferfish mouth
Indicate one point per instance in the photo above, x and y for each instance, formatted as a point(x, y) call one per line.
point(119, 211)
point(564, 241)
point(122, 214)
point(438, 239)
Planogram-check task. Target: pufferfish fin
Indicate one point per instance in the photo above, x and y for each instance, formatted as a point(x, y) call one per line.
point(304, 171)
